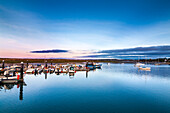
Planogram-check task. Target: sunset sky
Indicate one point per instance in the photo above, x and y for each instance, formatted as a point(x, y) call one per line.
point(84, 28)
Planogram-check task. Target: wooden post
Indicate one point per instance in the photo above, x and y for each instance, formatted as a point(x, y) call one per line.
point(21, 75)
point(51, 63)
point(27, 63)
point(86, 63)
point(46, 64)
point(3, 64)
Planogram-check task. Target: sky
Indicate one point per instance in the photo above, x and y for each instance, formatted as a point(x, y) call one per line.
point(84, 28)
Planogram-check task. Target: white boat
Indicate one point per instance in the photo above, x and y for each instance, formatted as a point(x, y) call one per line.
point(30, 70)
point(145, 68)
point(139, 64)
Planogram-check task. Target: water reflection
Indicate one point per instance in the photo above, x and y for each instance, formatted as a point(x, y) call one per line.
point(106, 76)
point(10, 86)
point(156, 71)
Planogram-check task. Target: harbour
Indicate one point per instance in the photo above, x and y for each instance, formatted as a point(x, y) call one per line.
point(84, 56)
point(113, 87)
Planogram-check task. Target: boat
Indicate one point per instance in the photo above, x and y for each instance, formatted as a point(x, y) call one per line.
point(90, 65)
point(71, 70)
point(139, 64)
point(82, 69)
point(145, 68)
point(30, 70)
point(98, 65)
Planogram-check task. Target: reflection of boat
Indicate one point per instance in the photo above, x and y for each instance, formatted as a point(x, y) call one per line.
point(145, 68)
point(9, 86)
point(57, 70)
point(139, 64)
point(14, 79)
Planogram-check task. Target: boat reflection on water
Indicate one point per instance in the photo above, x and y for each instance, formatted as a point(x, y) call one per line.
point(10, 86)
point(20, 85)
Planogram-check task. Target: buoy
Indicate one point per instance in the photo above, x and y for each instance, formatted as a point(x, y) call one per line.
point(17, 77)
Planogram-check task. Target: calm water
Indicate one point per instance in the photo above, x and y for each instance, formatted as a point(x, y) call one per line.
point(114, 88)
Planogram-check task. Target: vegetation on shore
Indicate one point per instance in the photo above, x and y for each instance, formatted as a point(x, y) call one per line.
point(18, 60)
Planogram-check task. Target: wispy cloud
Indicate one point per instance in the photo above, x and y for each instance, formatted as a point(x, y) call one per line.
point(133, 53)
point(50, 51)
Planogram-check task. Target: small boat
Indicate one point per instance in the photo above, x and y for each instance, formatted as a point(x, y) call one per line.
point(71, 70)
point(82, 69)
point(30, 70)
point(98, 65)
point(139, 64)
point(145, 68)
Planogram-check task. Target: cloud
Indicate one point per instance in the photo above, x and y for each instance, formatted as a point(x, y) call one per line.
point(133, 53)
point(50, 51)
point(139, 49)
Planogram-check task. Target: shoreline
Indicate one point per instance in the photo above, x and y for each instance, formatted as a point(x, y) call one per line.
point(26, 60)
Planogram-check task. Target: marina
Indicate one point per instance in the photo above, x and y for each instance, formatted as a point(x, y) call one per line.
point(118, 85)
point(84, 56)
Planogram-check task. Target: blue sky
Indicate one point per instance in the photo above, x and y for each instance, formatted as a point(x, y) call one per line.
point(81, 27)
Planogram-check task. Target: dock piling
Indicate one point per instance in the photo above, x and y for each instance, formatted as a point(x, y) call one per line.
point(3, 64)
point(21, 75)
point(46, 64)
point(51, 63)
point(27, 63)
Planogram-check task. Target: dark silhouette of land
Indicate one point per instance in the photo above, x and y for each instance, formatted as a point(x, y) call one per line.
point(19, 60)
